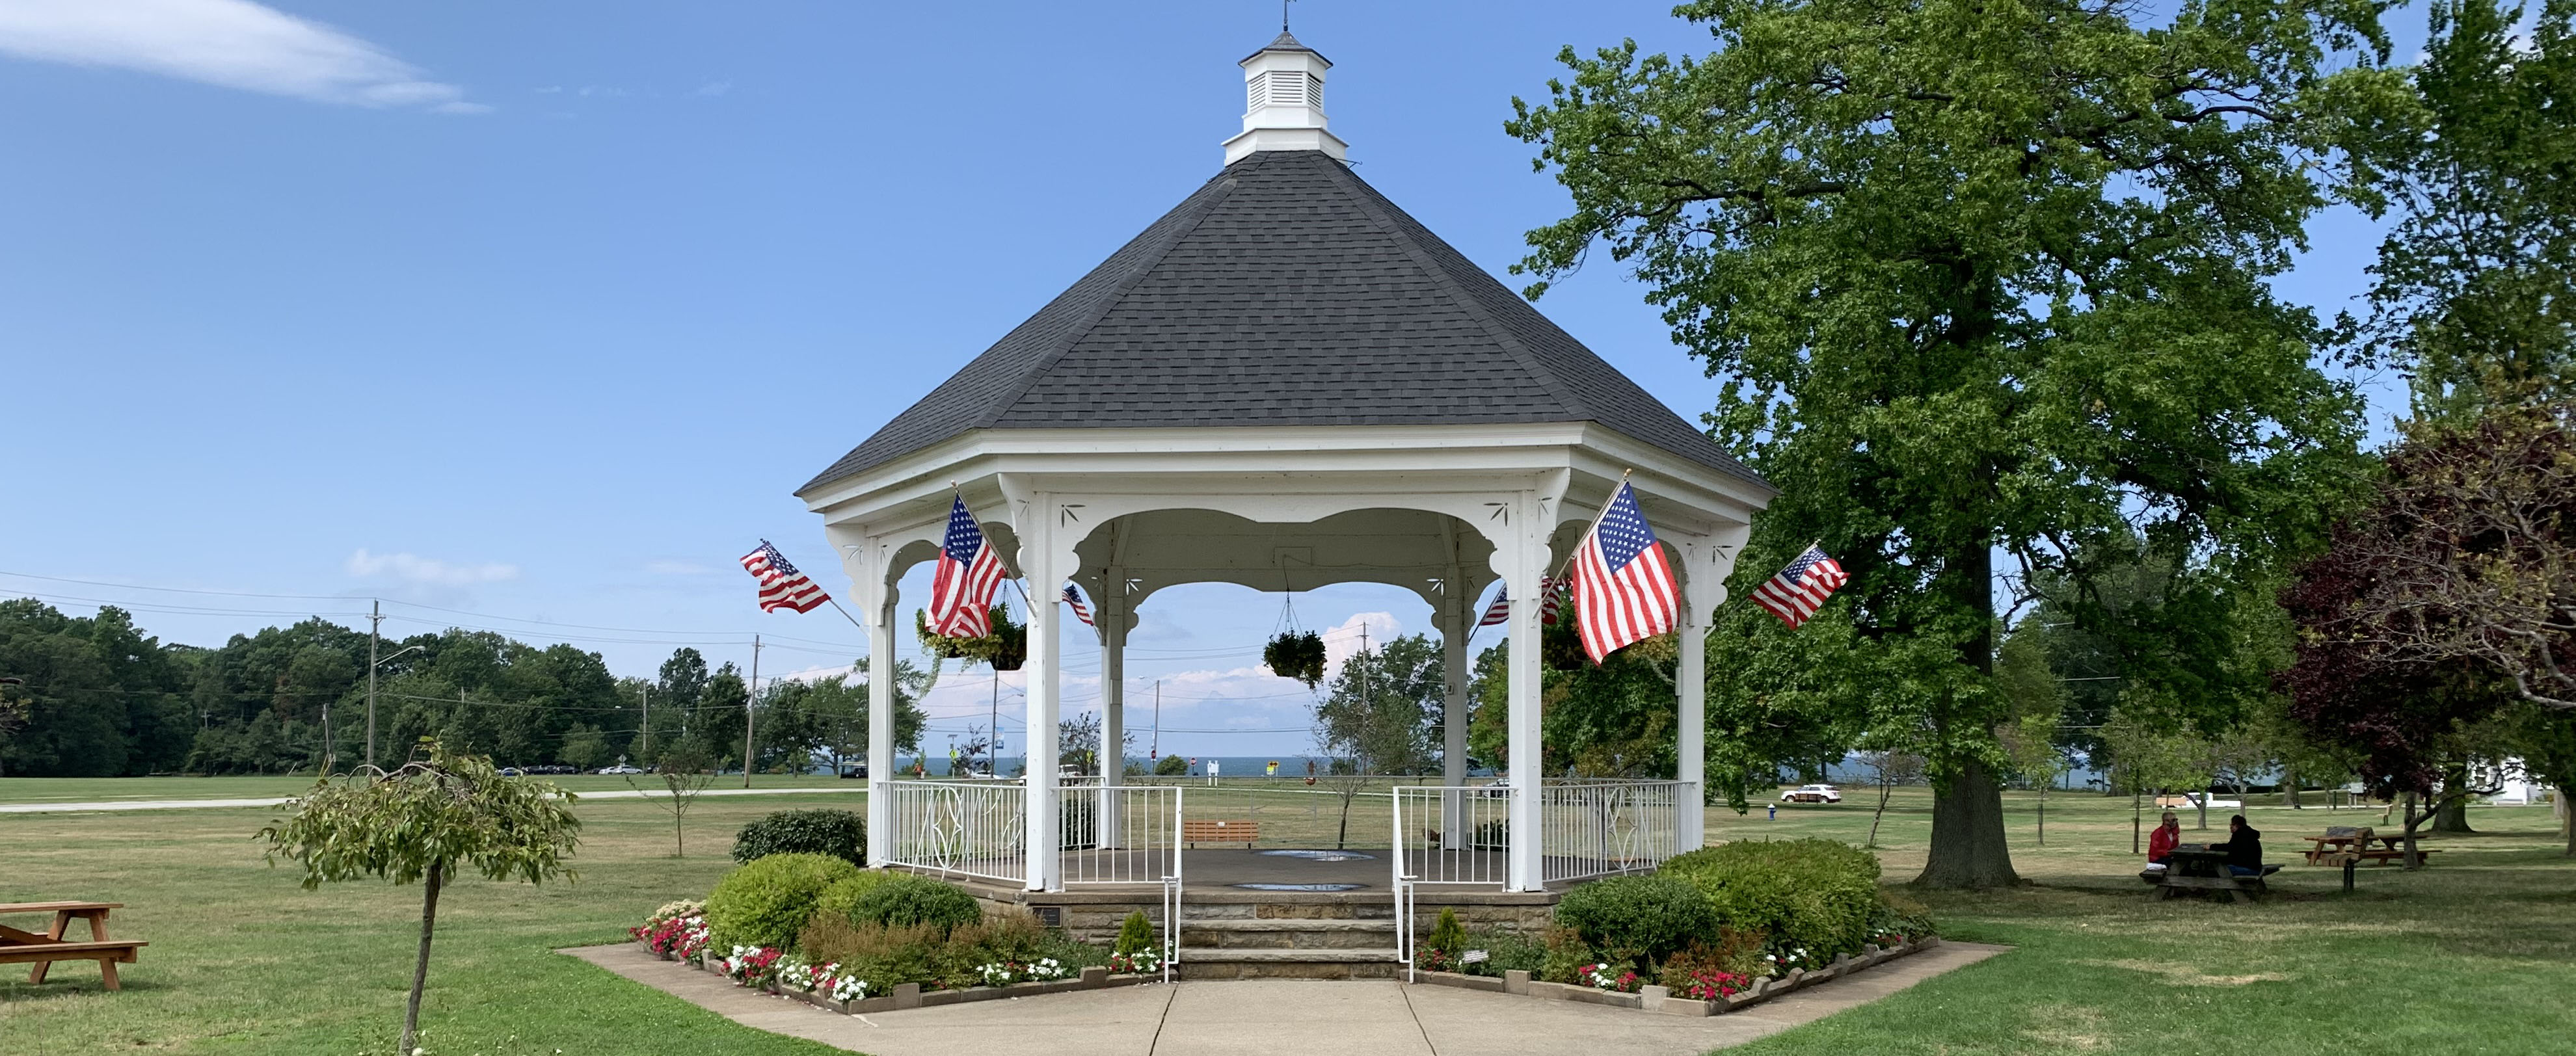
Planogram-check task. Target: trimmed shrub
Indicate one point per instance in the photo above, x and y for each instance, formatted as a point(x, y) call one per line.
point(885, 957)
point(842, 898)
point(1505, 952)
point(765, 902)
point(1171, 766)
point(843, 834)
point(1136, 935)
point(1815, 894)
point(1638, 920)
point(903, 899)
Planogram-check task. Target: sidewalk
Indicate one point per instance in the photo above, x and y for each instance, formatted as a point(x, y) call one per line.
point(1289, 1015)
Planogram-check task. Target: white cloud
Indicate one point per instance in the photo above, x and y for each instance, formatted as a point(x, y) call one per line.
point(676, 568)
point(714, 88)
point(411, 568)
point(232, 43)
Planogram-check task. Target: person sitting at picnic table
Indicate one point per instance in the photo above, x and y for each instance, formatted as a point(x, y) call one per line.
point(2160, 843)
point(2244, 848)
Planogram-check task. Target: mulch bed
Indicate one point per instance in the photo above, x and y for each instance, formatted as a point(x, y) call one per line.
point(1659, 999)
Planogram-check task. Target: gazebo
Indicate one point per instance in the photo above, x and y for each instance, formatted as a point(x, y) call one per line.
point(1285, 382)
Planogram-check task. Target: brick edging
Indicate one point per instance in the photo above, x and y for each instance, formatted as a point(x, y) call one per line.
point(1660, 999)
point(911, 995)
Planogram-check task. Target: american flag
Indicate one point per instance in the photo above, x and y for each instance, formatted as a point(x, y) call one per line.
point(781, 585)
point(1623, 588)
point(1080, 611)
point(1800, 589)
point(961, 590)
point(1501, 610)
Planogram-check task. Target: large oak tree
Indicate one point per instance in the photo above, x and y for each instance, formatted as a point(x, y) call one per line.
point(1986, 280)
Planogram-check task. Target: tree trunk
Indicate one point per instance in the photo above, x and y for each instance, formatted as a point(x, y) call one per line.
point(2137, 820)
point(2451, 814)
point(2290, 787)
point(1968, 847)
point(420, 968)
point(2566, 817)
point(1885, 789)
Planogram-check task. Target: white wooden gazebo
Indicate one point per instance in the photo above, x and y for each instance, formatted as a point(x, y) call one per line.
point(1284, 383)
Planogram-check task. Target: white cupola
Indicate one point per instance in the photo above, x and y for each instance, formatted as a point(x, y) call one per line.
point(1283, 87)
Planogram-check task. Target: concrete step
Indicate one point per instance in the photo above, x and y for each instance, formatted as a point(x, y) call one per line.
point(1288, 934)
point(1189, 923)
point(1193, 953)
point(1199, 964)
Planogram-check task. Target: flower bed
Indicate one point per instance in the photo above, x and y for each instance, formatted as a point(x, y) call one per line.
point(828, 987)
point(1703, 993)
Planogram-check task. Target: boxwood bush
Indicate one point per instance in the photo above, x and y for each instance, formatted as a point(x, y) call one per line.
point(903, 899)
point(843, 834)
point(1638, 919)
point(841, 900)
point(767, 900)
point(1816, 894)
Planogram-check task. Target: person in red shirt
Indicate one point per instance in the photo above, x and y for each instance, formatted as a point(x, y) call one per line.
point(2160, 844)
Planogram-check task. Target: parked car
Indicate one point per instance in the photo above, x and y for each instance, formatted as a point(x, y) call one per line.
point(855, 771)
point(1812, 794)
point(620, 768)
point(512, 771)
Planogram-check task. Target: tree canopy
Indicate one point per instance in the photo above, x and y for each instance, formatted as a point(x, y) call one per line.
point(1982, 282)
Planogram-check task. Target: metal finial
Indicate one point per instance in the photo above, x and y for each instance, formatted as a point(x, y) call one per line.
point(1283, 14)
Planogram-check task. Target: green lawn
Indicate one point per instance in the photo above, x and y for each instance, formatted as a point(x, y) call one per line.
point(110, 789)
point(2475, 954)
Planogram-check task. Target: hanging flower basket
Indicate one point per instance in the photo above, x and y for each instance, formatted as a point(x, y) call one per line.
point(1560, 648)
point(1295, 655)
point(1006, 647)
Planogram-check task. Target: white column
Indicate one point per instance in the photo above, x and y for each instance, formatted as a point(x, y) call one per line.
point(1038, 561)
point(1528, 562)
point(881, 665)
point(1457, 623)
point(1110, 609)
point(1690, 745)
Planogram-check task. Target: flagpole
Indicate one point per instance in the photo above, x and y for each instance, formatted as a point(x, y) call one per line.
point(1596, 519)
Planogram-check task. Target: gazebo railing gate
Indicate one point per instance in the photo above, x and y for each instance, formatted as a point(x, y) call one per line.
point(1125, 836)
point(1451, 836)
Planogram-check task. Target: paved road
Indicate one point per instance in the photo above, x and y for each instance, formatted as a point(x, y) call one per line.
point(1281, 1015)
point(193, 804)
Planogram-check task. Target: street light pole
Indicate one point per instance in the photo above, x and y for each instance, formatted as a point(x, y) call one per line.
point(375, 628)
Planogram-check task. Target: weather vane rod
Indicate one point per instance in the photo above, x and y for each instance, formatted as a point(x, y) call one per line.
point(1283, 14)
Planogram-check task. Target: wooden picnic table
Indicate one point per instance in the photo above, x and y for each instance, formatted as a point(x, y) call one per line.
point(20, 947)
point(2196, 870)
point(2343, 849)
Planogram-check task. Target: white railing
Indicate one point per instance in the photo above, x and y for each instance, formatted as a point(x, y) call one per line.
point(1125, 835)
point(1597, 828)
point(977, 828)
point(1447, 836)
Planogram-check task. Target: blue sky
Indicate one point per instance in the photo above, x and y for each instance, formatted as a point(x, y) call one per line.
point(530, 316)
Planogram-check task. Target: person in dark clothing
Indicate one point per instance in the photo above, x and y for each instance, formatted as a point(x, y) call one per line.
point(2244, 848)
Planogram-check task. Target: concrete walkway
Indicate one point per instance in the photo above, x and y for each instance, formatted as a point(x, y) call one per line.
point(1281, 1015)
point(199, 804)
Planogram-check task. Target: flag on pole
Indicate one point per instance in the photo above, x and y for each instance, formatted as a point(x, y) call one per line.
point(961, 588)
point(1080, 611)
point(1624, 590)
point(781, 585)
point(1800, 589)
point(1550, 589)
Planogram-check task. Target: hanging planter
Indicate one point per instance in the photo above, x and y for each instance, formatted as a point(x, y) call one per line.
point(1296, 655)
point(1560, 648)
point(1006, 647)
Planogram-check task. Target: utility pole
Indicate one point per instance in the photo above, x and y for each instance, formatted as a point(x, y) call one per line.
point(375, 631)
point(1156, 752)
point(747, 699)
point(646, 693)
point(993, 752)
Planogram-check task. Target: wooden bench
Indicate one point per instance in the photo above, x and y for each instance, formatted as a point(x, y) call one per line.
point(42, 950)
point(1198, 832)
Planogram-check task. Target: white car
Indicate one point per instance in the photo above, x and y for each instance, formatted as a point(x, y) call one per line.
point(1812, 794)
point(620, 768)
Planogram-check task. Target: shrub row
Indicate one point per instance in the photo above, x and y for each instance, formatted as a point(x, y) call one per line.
point(1710, 919)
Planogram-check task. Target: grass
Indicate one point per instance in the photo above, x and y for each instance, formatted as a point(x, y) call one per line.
point(2474, 954)
point(112, 789)
point(242, 960)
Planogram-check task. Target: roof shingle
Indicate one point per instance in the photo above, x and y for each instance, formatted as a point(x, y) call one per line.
point(1285, 291)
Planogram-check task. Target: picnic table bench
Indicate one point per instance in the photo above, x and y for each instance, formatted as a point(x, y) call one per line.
point(23, 947)
point(2192, 870)
point(1197, 832)
point(2345, 846)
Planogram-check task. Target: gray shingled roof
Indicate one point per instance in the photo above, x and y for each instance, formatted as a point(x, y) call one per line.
point(1285, 291)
